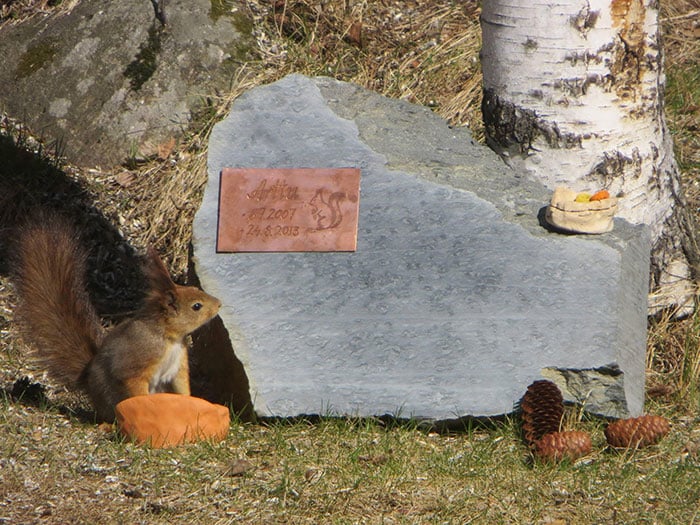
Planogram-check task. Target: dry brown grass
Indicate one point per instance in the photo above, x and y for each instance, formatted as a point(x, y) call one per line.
point(681, 23)
point(673, 363)
point(423, 52)
point(674, 347)
point(16, 11)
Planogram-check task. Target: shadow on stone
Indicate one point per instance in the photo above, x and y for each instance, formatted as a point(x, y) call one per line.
point(145, 62)
point(542, 219)
point(216, 373)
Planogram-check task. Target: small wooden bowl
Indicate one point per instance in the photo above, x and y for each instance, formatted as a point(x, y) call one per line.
point(566, 214)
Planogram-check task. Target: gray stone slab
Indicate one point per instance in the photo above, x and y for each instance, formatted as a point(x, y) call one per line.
point(456, 298)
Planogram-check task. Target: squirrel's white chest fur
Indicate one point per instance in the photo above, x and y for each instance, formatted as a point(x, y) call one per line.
point(167, 368)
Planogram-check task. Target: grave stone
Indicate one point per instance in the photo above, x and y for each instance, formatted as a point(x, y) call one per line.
point(456, 297)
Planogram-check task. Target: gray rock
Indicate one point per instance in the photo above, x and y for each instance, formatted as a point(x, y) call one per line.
point(456, 298)
point(107, 80)
point(600, 388)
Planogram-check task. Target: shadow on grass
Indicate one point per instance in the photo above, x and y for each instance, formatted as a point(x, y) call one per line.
point(30, 393)
point(34, 185)
point(33, 182)
point(462, 425)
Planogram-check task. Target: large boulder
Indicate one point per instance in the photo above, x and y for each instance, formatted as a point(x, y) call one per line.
point(108, 81)
point(457, 297)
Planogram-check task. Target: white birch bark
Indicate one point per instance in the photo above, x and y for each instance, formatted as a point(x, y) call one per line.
point(573, 95)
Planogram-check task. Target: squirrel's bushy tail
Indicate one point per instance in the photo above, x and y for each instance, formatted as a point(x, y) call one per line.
point(54, 309)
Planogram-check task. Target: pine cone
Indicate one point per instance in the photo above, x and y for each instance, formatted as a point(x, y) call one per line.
point(560, 445)
point(543, 408)
point(637, 431)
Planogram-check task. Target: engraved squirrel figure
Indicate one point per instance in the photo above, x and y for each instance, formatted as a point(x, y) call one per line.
point(326, 208)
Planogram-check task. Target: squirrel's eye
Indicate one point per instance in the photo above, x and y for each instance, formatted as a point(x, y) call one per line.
point(197, 307)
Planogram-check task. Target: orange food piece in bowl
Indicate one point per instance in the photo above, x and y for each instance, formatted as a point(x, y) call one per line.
point(600, 195)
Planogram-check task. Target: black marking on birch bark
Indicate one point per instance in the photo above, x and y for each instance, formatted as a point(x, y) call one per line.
point(678, 242)
point(654, 155)
point(585, 20)
point(585, 57)
point(688, 226)
point(530, 45)
point(614, 165)
point(679, 239)
point(513, 129)
point(578, 86)
point(627, 70)
point(629, 63)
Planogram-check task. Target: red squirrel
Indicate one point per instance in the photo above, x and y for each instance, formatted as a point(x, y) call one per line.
point(144, 354)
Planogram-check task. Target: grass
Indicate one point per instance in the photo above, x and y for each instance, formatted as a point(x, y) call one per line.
point(333, 471)
point(57, 467)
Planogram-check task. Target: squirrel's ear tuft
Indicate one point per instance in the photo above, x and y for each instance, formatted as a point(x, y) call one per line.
point(157, 273)
point(172, 301)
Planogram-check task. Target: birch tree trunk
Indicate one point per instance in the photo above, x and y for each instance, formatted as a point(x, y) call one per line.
point(573, 95)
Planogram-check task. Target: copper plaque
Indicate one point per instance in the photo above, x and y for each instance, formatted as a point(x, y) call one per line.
point(288, 210)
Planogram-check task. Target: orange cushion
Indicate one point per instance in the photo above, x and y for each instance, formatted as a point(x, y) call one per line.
point(168, 420)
